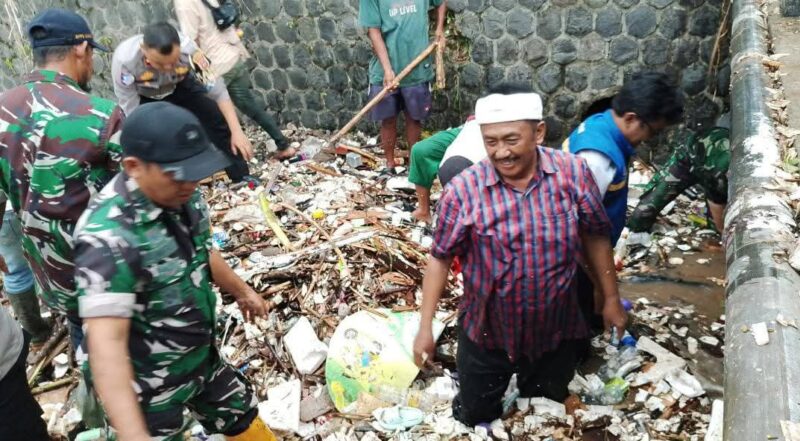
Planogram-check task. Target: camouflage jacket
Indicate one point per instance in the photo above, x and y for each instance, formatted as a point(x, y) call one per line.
point(59, 146)
point(138, 261)
point(700, 159)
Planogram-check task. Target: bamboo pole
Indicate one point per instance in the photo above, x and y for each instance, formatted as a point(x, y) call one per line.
point(374, 101)
point(440, 78)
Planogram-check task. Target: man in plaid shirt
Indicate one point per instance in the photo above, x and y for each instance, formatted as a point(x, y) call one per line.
point(517, 220)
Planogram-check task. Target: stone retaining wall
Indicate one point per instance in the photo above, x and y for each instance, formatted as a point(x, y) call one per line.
point(310, 56)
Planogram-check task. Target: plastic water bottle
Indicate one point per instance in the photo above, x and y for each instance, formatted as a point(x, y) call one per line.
point(624, 361)
point(609, 385)
point(621, 364)
point(411, 398)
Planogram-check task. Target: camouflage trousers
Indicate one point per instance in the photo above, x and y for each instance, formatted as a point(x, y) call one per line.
point(700, 160)
point(221, 401)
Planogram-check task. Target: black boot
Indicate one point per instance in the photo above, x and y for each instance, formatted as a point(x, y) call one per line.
point(26, 308)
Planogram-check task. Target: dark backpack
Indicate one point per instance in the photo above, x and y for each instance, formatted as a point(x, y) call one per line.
point(225, 15)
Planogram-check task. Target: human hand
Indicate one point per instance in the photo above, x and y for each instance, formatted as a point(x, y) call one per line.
point(614, 315)
point(241, 145)
point(200, 60)
point(424, 346)
point(3, 266)
point(252, 305)
point(388, 79)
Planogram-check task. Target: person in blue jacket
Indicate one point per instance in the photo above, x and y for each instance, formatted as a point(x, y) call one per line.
point(646, 104)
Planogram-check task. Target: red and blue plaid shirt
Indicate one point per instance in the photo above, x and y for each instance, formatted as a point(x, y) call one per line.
point(519, 251)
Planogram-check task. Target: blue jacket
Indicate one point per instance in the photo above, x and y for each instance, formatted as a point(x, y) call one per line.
point(600, 133)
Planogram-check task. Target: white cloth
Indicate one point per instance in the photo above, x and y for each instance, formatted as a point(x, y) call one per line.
point(498, 108)
point(468, 144)
point(602, 168)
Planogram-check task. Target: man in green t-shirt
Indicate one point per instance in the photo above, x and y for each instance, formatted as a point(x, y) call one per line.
point(398, 30)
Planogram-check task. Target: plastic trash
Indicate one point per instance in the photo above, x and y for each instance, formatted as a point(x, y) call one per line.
point(61, 362)
point(311, 146)
point(91, 410)
point(709, 340)
point(318, 214)
point(626, 340)
point(400, 183)
point(715, 426)
point(621, 250)
point(685, 383)
point(618, 366)
point(626, 304)
point(281, 411)
point(96, 435)
point(407, 398)
point(606, 393)
point(644, 239)
point(307, 351)
point(614, 391)
point(397, 418)
point(760, 333)
point(354, 160)
point(443, 388)
point(666, 362)
point(298, 158)
point(691, 345)
point(546, 406)
point(220, 237)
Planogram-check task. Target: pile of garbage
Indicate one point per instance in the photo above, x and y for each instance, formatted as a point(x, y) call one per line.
point(331, 244)
point(683, 227)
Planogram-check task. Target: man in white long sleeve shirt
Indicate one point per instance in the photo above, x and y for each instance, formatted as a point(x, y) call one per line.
point(157, 65)
point(223, 46)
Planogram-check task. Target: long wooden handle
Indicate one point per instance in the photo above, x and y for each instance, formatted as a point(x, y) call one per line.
point(440, 78)
point(374, 101)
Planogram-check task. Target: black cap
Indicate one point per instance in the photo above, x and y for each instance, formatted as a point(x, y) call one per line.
point(61, 28)
point(172, 137)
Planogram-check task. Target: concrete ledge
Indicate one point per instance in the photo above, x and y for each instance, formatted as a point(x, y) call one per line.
point(762, 383)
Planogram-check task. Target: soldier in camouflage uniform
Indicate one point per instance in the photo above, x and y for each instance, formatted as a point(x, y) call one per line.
point(701, 159)
point(58, 148)
point(145, 264)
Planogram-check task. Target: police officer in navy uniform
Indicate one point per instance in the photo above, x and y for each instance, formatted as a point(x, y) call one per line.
point(162, 65)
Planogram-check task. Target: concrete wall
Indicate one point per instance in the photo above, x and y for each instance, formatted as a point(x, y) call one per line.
point(310, 56)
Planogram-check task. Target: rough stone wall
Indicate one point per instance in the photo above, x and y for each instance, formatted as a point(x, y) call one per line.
point(310, 56)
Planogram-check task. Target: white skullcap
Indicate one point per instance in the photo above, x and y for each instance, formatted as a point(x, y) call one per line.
point(498, 108)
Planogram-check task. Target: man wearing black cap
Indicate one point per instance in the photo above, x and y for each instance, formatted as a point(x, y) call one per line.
point(145, 264)
point(58, 148)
